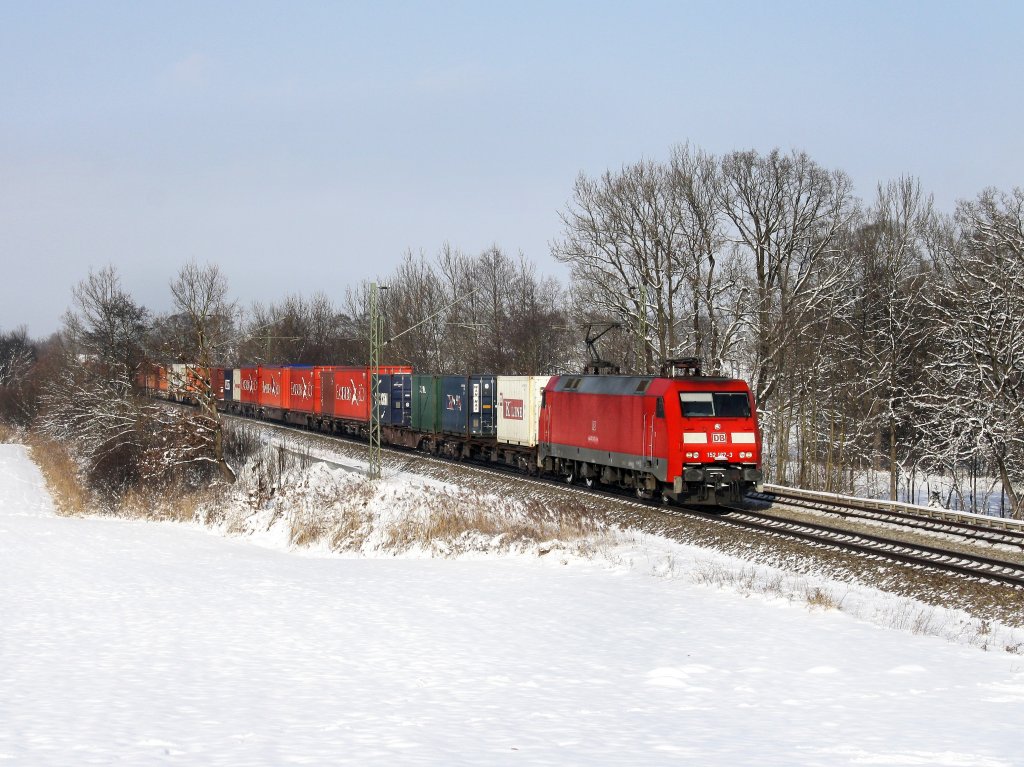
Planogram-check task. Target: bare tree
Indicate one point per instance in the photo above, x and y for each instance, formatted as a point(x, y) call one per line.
point(92, 401)
point(893, 274)
point(201, 296)
point(976, 391)
point(621, 241)
point(711, 272)
point(107, 328)
point(415, 302)
point(787, 213)
point(17, 358)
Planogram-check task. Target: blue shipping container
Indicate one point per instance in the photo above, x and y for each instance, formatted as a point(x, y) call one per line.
point(454, 408)
point(483, 413)
point(395, 399)
point(229, 377)
point(468, 406)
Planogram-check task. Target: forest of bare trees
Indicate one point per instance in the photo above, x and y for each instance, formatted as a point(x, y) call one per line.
point(880, 336)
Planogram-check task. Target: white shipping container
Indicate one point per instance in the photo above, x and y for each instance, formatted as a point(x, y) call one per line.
point(232, 392)
point(519, 400)
point(176, 381)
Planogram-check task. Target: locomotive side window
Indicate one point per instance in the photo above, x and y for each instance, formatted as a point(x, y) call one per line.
point(714, 404)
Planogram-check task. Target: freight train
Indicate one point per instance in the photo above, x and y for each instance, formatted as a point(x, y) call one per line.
point(681, 436)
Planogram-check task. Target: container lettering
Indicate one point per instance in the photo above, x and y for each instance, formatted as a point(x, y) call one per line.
point(512, 409)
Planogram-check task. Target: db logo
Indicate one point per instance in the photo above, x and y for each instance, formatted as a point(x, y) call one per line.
point(718, 438)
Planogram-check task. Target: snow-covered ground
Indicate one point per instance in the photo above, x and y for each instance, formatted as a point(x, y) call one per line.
point(142, 643)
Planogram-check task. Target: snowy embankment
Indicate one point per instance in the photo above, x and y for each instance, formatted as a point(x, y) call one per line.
point(132, 642)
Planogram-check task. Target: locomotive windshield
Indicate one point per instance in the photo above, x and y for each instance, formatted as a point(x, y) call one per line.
point(714, 404)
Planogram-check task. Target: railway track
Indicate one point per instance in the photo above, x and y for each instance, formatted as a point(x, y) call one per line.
point(971, 527)
point(965, 565)
point(916, 554)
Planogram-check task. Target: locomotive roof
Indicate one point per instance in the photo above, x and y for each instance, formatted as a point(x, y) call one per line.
point(628, 384)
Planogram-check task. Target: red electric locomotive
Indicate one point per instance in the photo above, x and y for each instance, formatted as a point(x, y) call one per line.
point(693, 438)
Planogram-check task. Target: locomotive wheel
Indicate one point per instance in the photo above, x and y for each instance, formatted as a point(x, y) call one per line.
point(589, 481)
point(644, 494)
point(570, 477)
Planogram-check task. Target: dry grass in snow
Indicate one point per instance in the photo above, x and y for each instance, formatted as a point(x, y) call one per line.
point(69, 493)
point(342, 511)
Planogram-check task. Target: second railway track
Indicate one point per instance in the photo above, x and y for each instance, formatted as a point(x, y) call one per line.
point(975, 528)
point(910, 553)
point(958, 563)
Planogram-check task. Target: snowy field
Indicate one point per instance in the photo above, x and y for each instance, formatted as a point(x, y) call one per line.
point(142, 643)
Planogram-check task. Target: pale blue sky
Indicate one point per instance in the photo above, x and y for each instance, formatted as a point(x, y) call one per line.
point(306, 146)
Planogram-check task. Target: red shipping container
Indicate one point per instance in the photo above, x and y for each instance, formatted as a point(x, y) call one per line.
point(348, 393)
point(248, 384)
point(272, 388)
point(151, 376)
point(345, 390)
point(217, 382)
point(303, 391)
point(196, 379)
point(325, 388)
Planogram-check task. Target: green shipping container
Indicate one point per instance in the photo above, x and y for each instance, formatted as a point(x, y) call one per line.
point(426, 403)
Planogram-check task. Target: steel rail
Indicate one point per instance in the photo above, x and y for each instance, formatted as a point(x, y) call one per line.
point(964, 528)
point(876, 504)
point(976, 567)
point(973, 565)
